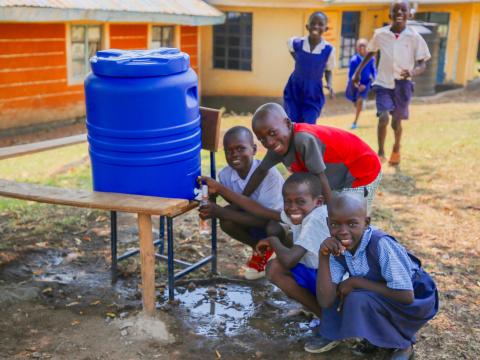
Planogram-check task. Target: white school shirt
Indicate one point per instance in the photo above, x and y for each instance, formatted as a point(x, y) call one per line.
point(317, 50)
point(397, 54)
point(310, 234)
point(268, 193)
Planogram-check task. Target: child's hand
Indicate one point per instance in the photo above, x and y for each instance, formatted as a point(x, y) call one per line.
point(332, 246)
point(343, 289)
point(213, 185)
point(361, 88)
point(262, 246)
point(208, 210)
point(405, 74)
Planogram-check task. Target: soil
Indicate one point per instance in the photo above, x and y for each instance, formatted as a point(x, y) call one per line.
point(57, 300)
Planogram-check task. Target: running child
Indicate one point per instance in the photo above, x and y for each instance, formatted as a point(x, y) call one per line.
point(241, 225)
point(358, 94)
point(314, 57)
point(403, 57)
point(387, 296)
point(341, 160)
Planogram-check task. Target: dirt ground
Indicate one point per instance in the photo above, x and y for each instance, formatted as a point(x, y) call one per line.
point(57, 301)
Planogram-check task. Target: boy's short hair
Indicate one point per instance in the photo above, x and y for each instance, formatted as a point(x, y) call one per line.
point(312, 181)
point(238, 131)
point(267, 109)
point(347, 200)
point(318, 13)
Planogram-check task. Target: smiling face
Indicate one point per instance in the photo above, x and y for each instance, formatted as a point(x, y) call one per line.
point(317, 25)
point(347, 220)
point(399, 14)
point(239, 152)
point(298, 201)
point(274, 132)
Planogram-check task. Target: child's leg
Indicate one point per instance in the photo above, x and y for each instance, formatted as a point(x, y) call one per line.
point(238, 232)
point(382, 133)
point(397, 128)
point(358, 108)
point(282, 278)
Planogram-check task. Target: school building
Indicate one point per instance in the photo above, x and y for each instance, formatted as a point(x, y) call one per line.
point(237, 47)
point(247, 56)
point(45, 46)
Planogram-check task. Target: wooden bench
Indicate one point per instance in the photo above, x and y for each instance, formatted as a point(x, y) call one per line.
point(143, 206)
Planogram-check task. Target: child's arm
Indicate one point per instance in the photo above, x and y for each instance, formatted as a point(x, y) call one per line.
point(326, 190)
point(402, 296)
point(326, 288)
point(366, 59)
point(417, 70)
point(244, 202)
point(288, 257)
point(255, 181)
point(209, 210)
point(328, 78)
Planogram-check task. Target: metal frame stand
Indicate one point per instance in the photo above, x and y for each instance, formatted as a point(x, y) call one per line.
point(171, 261)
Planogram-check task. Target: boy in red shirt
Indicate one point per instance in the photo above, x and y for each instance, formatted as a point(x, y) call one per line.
point(341, 160)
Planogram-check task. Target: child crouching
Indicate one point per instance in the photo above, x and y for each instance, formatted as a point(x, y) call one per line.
point(387, 297)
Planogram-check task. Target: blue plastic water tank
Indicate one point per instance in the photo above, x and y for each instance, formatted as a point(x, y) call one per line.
point(143, 122)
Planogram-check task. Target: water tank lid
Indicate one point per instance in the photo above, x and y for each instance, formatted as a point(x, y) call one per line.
point(139, 63)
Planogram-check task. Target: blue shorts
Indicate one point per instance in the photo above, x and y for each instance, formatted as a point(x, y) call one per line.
point(305, 277)
point(395, 101)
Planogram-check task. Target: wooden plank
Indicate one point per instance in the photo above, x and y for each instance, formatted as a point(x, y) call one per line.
point(93, 199)
point(211, 119)
point(147, 263)
point(18, 150)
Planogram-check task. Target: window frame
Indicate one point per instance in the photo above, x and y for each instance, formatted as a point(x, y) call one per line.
point(240, 32)
point(344, 55)
point(76, 79)
point(162, 27)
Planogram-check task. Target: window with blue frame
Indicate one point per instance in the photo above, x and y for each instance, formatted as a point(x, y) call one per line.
point(232, 42)
point(350, 29)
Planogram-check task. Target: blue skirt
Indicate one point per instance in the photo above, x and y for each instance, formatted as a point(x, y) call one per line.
point(352, 93)
point(383, 322)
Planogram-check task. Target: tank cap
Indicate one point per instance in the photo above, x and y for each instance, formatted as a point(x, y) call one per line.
point(139, 63)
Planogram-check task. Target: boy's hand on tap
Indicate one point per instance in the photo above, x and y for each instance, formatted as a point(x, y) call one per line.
point(213, 185)
point(208, 210)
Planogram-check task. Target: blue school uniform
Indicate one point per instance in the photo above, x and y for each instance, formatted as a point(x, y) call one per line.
point(369, 73)
point(303, 95)
point(366, 314)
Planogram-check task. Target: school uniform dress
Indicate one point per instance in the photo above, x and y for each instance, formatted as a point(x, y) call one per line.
point(366, 314)
point(268, 193)
point(309, 235)
point(367, 76)
point(397, 52)
point(303, 95)
point(347, 161)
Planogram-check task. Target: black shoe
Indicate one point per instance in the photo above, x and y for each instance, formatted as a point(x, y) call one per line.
point(403, 354)
point(319, 344)
point(363, 348)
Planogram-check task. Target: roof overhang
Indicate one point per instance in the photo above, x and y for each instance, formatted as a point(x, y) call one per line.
point(317, 3)
point(180, 12)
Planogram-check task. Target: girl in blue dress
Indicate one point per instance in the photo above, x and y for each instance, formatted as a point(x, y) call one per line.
point(387, 296)
point(303, 95)
point(358, 94)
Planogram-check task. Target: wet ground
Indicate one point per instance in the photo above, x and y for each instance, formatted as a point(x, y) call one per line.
point(57, 302)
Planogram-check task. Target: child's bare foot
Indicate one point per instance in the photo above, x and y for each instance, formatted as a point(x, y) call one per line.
point(394, 158)
point(382, 157)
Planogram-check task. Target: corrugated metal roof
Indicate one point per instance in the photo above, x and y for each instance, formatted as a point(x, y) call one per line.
point(187, 12)
point(316, 3)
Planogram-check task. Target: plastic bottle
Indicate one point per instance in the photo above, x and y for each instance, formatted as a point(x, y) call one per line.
point(204, 226)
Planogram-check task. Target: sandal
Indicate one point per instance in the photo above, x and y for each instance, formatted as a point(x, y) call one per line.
point(394, 158)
